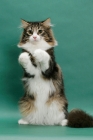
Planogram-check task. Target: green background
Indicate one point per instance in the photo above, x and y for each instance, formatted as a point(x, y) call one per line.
point(73, 20)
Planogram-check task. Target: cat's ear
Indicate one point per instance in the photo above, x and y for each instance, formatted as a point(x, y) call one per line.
point(47, 22)
point(24, 23)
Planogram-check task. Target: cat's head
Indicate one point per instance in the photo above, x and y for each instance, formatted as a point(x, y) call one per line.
point(36, 32)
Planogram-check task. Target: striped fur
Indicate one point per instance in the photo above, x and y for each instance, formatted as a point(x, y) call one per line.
point(44, 101)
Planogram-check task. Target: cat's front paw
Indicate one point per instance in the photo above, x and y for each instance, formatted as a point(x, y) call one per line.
point(41, 56)
point(24, 59)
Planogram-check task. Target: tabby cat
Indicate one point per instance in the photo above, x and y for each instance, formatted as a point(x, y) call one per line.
point(44, 101)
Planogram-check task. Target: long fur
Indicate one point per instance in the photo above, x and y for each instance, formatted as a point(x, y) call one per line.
point(79, 119)
point(44, 101)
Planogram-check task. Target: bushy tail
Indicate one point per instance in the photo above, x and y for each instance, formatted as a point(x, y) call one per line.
point(79, 119)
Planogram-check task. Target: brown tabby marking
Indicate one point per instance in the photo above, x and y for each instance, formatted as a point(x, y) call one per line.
point(27, 105)
point(60, 101)
point(58, 96)
point(42, 30)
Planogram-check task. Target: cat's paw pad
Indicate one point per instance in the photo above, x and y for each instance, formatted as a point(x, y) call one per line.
point(41, 55)
point(21, 121)
point(64, 122)
point(23, 58)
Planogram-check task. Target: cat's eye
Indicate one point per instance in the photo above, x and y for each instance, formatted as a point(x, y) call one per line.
point(30, 32)
point(40, 31)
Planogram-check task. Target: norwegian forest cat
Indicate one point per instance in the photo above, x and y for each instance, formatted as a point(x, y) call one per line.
point(44, 101)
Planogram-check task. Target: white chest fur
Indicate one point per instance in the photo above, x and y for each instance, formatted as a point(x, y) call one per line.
point(41, 88)
point(31, 47)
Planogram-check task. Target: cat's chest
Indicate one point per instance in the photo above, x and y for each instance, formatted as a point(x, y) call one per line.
point(41, 89)
point(30, 47)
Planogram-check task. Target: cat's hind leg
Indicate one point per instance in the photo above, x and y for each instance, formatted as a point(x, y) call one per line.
point(64, 122)
point(22, 121)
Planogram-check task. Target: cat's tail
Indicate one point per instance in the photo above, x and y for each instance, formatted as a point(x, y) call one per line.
point(79, 119)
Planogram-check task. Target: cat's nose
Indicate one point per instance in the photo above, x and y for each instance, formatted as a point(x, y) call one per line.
point(34, 37)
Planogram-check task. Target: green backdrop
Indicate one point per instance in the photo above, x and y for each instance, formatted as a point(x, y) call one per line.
point(73, 20)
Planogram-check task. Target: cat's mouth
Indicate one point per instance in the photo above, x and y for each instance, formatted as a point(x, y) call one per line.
point(34, 39)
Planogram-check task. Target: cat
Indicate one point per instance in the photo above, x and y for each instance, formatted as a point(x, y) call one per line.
point(44, 101)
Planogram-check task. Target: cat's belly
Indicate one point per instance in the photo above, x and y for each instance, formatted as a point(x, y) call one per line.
point(46, 115)
point(44, 112)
